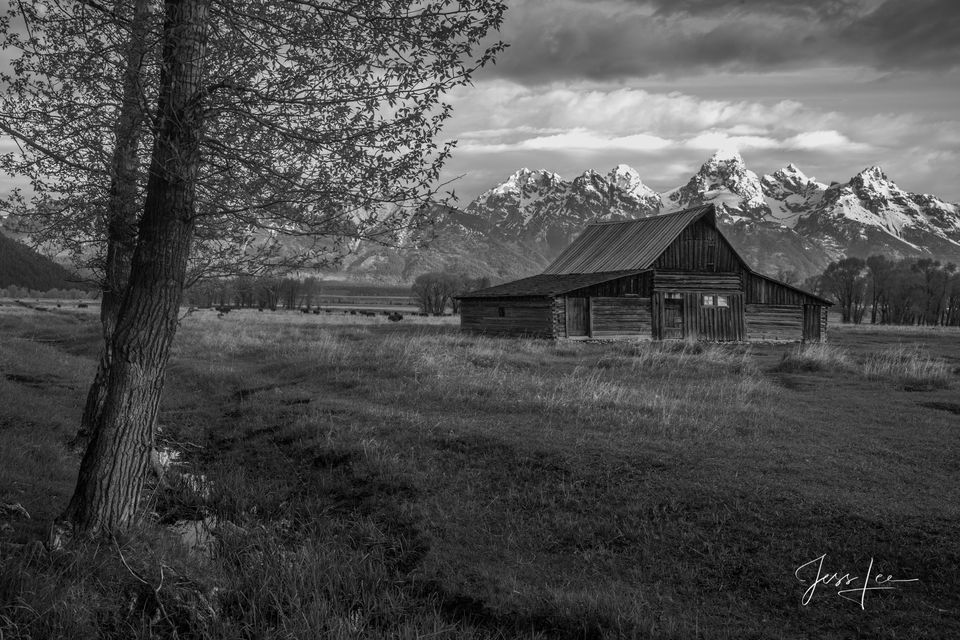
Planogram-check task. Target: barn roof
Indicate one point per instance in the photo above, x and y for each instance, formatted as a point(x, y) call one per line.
point(627, 245)
point(548, 285)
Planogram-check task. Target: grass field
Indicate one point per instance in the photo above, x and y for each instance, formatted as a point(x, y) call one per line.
point(408, 481)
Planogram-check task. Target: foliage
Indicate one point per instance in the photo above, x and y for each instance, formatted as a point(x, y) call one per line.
point(908, 291)
point(320, 121)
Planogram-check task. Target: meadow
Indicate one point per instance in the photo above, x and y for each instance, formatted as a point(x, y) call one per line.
point(368, 479)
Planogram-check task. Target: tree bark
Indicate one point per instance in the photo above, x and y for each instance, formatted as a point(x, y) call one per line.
point(122, 210)
point(112, 473)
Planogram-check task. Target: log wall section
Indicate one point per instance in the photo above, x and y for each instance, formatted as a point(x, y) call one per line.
point(721, 283)
point(774, 322)
point(532, 317)
point(612, 316)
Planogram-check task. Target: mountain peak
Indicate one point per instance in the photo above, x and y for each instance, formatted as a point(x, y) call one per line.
point(726, 155)
point(520, 179)
point(627, 179)
point(873, 173)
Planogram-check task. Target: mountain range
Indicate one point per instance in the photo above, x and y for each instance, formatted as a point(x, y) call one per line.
point(784, 223)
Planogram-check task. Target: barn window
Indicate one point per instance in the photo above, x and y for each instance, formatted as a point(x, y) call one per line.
point(716, 301)
point(501, 312)
point(673, 296)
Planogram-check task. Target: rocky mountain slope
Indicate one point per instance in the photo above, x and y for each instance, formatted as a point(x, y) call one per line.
point(783, 222)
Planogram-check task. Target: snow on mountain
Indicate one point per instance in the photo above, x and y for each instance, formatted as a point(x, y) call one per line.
point(785, 221)
point(871, 214)
point(725, 181)
point(789, 194)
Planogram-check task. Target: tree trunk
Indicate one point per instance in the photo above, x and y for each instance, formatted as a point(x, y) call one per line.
point(110, 483)
point(122, 211)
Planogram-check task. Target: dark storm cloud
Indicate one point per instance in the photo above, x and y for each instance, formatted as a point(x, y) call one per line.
point(610, 39)
point(831, 9)
point(914, 34)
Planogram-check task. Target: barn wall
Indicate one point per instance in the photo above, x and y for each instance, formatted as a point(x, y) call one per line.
point(612, 316)
point(697, 281)
point(774, 322)
point(714, 324)
point(699, 247)
point(761, 290)
point(640, 284)
point(522, 316)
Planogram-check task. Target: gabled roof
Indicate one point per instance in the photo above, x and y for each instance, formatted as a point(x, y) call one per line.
point(627, 245)
point(548, 285)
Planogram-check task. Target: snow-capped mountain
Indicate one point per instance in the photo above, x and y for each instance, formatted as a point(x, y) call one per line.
point(784, 221)
point(790, 194)
point(725, 181)
point(541, 208)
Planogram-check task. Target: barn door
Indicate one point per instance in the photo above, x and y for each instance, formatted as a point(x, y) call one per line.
point(578, 317)
point(672, 319)
point(811, 323)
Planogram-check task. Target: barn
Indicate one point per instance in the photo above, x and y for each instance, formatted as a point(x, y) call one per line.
point(670, 276)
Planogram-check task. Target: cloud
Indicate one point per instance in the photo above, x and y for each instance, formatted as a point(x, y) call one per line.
point(573, 126)
point(622, 39)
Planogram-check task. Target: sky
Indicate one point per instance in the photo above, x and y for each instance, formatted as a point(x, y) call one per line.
point(833, 86)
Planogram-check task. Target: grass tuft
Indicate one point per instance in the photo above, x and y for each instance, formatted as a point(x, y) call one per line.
point(909, 367)
point(813, 358)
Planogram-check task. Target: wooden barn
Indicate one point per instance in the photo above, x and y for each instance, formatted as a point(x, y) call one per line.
point(670, 276)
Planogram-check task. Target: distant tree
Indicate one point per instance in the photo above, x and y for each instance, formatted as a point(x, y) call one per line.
point(435, 290)
point(845, 281)
point(880, 271)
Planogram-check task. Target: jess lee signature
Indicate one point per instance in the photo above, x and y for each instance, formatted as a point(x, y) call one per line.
point(853, 588)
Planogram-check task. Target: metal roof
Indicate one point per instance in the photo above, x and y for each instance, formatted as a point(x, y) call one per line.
point(548, 285)
point(627, 245)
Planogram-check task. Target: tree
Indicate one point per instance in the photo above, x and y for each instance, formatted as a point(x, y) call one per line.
point(312, 119)
point(879, 273)
point(845, 281)
point(434, 291)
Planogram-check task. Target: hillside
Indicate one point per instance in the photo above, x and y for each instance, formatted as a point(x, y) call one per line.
point(21, 266)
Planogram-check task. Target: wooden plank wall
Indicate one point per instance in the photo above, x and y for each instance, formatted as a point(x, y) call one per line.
point(714, 324)
point(640, 284)
point(774, 322)
point(697, 281)
point(621, 317)
point(699, 247)
point(762, 291)
point(532, 317)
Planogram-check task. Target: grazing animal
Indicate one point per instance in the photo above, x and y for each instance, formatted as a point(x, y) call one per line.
point(394, 317)
point(82, 305)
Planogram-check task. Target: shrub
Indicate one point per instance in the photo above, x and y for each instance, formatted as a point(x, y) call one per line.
point(814, 357)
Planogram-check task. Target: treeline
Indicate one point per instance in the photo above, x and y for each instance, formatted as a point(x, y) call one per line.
point(884, 291)
point(254, 292)
point(435, 291)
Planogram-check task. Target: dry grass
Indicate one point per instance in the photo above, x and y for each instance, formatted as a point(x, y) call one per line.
point(409, 481)
point(815, 357)
point(909, 366)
